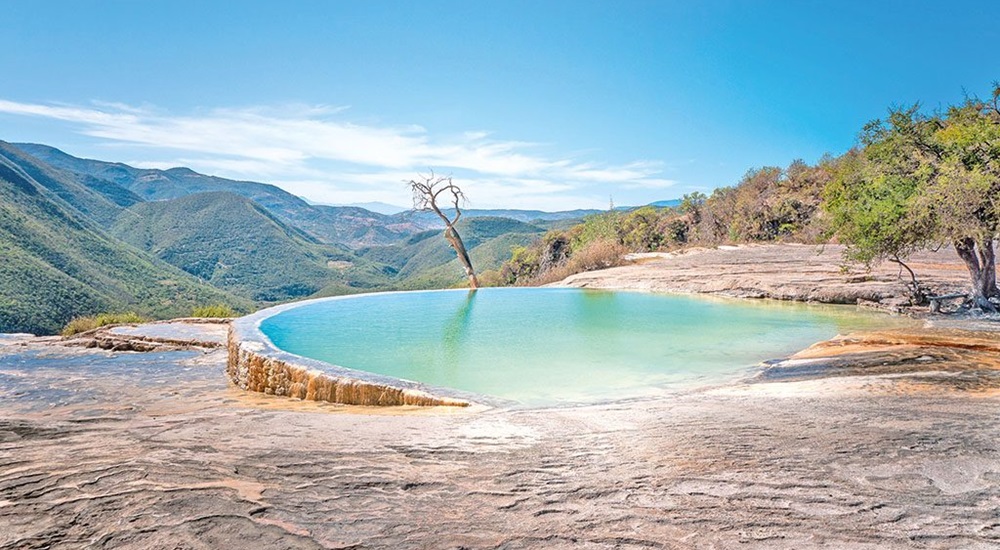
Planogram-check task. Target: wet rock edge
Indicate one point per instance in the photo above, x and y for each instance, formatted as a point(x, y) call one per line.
point(255, 364)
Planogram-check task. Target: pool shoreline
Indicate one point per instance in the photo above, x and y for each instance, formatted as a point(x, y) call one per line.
point(256, 364)
point(892, 443)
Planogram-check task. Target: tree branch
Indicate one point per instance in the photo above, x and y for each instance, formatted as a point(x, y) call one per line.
point(426, 191)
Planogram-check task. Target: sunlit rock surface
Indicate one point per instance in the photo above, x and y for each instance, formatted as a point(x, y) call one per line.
point(781, 271)
point(178, 334)
point(201, 332)
point(932, 359)
point(103, 449)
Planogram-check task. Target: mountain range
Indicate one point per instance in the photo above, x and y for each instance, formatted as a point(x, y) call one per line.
point(352, 226)
point(57, 260)
point(81, 236)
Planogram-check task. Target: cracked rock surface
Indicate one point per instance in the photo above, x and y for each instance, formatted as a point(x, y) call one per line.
point(781, 271)
point(102, 449)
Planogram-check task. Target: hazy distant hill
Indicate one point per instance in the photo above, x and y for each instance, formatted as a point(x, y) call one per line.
point(672, 203)
point(57, 263)
point(431, 220)
point(377, 207)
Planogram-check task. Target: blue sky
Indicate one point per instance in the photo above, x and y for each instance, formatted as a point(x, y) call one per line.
point(533, 104)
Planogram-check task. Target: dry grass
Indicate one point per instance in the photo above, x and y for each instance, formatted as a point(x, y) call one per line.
point(220, 311)
point(600, 254)
point(84, 324)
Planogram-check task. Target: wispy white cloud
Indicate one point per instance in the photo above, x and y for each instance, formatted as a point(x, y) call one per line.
point(316, 152)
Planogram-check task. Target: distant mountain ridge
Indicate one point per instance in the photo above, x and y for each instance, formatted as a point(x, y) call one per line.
point(82, 236)
point(354, 226)
point(157, 184)
point(377, 207)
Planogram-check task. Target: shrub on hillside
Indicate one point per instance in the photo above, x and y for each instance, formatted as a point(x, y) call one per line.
point(84, 324)
point(599, 254)
point(214, 310)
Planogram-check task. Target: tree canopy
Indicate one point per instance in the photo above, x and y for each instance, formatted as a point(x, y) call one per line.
point(920, 180)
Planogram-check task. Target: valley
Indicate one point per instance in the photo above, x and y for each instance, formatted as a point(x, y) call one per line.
point(84, 236)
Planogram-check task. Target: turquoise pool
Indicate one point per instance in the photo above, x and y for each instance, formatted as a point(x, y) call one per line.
point(543, 346)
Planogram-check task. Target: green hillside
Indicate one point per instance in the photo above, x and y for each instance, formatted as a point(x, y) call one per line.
point(427, 261)
point(56, 264)
point(349, 226)
point(235, 244)
point(94, 198)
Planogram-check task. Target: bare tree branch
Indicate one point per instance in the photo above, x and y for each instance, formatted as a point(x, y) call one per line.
point(426, 191)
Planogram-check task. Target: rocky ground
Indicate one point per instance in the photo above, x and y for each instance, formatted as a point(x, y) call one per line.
point(885, 440)
point(784, 272)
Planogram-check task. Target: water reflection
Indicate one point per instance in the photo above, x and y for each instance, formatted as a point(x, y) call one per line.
point(455, 332)
point(598, 314)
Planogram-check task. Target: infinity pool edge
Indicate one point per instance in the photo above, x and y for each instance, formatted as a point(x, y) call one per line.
point(255, 364)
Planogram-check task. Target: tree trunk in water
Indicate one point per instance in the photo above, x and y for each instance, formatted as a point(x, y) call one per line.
point(463, 255)
point(980, 260)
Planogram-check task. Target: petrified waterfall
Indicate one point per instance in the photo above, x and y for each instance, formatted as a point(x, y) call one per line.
point(251, 369)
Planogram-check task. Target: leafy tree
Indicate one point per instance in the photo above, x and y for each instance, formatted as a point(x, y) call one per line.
point(522, 265)
point(597, 227)
point(692, 203)
point(923, 180)
point(871, 212)
point(640, 230)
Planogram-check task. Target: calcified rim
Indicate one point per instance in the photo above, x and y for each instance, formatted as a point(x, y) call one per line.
point(256, 364)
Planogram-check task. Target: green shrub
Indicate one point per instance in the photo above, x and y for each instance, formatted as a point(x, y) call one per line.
point(84, 324)
point(597, 227)
point(214, 310)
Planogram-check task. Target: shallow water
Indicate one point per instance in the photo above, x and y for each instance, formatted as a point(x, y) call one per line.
point(555, 345)
point(75, 383)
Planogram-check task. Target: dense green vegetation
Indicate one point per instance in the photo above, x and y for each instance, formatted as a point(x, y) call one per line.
point(59, 264)
point(922, 180)
point(219, 311)
point(768, 204)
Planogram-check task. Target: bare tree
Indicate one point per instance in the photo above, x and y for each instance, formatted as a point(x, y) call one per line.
point(427, 190)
